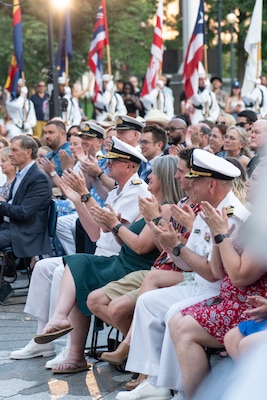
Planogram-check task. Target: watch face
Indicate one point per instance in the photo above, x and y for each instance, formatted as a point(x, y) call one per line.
point(85, 197)
point(176, 251)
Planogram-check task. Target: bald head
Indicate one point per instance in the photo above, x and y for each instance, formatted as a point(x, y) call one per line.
point(258, 136)
point(176, 130)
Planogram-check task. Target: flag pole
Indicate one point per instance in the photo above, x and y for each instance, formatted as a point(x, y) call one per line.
point(66, 69)
point(258, 59)
point(108, 60)
point(206, 60)
point(107, 37)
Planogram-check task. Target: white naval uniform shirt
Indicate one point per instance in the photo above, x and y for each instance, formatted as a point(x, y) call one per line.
point(124, 202)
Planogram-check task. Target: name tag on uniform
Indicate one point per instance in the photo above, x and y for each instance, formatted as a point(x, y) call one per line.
point(197, 231)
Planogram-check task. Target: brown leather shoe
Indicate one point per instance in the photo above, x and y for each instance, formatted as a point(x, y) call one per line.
point(118, 356)
point(133, 383)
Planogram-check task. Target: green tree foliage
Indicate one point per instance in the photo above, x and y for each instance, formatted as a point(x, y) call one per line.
point(243, 9)
point(131, 25)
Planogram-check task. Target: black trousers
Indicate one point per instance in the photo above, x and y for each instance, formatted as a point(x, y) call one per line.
point(83, 243)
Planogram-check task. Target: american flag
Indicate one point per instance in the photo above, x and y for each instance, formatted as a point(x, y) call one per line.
point(100, 40)
point(156, 57)
point(194, 54)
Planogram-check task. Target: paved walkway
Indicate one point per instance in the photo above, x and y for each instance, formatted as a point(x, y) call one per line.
point(28, 379)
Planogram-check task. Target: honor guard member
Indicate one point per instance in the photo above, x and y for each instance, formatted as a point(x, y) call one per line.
point(21, 111)
point(108, 101)
point(69, 106)
point(159, 99)
point(205, 103)
point(257, 99)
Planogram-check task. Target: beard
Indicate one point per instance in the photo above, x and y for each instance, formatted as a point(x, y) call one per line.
point(174, 140)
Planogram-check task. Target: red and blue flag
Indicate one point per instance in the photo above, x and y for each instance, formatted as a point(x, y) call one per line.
point(194, 54)
point(100, 40)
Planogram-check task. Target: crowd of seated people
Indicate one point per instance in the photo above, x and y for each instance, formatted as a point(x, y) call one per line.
point(173, 320)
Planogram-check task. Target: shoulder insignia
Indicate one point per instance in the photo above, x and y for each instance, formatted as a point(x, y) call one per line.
point(136, 182)
point(230, 211)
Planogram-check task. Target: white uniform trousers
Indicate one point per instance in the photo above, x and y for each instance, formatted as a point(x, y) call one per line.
point(66, 229)
point(148, 341)
point(44, 288)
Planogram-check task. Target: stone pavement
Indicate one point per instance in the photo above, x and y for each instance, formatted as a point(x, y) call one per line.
point(28, 379)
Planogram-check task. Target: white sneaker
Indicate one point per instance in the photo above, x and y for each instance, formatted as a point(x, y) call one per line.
point(32, 350)
point(145, 391)
point(62, 356)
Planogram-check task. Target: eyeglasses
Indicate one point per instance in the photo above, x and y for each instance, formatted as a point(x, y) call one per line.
point(145, 142)
point(220, 123)
point(173, 129)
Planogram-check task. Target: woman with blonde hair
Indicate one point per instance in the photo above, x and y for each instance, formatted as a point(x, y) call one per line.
point(236, 143)
point(225, 119)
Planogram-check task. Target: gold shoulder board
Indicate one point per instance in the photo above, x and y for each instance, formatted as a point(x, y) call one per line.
point(230, 211)
point(136, 182)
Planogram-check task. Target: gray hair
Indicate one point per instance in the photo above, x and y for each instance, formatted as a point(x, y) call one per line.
point(165, 168)
point(27, 142)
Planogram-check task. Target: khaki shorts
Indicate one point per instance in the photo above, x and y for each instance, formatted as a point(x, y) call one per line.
point(129, 285)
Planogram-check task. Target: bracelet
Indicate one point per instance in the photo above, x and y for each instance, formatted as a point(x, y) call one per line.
point(99, 175)
point(156, 220)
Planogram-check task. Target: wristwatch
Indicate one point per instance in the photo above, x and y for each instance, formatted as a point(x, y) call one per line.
point(156, 220)
point(100, 174)
point(219, 238)
point(85, 197)
point(176, 250)
point(52, 174)
point(116, 228)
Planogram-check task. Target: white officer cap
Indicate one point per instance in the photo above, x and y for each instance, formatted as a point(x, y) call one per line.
point(61, 80)
point(107, 78)
point(120, 149)
point(92, 130)
point(125, 122)
point(205, 164)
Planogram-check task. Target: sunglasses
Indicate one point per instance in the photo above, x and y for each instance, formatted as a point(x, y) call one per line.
point(220, 123)
point(242, 124)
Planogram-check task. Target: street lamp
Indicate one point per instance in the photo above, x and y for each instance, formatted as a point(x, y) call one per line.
point(219, 16)
point(54, 107)
point(231, 19)
point(54, 110)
